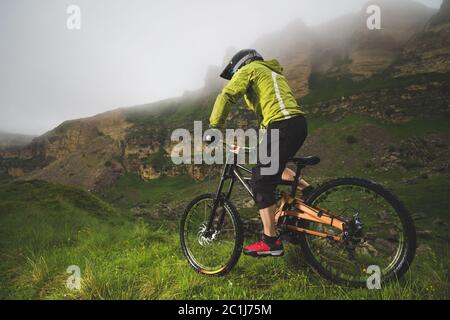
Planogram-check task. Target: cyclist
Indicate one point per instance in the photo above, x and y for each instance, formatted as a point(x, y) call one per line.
point(268, 94)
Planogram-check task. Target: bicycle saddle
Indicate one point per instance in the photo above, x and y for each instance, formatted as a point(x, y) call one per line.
point(305, 161)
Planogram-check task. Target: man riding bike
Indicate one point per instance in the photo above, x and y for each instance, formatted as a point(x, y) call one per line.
point(268, 94)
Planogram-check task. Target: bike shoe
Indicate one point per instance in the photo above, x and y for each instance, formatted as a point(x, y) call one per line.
point(266, 247)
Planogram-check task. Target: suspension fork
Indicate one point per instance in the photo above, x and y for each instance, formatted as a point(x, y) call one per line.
point(222, 213)
point(219, 196)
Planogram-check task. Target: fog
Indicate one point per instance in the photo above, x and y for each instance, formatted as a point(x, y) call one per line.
point(127, 52)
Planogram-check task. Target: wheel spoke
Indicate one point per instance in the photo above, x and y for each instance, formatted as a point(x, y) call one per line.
point(383, 239)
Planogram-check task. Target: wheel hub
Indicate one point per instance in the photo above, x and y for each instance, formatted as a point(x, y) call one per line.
point(206, 237)
point(353, 234)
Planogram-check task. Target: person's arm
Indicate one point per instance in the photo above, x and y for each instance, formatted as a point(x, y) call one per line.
point(234, 90)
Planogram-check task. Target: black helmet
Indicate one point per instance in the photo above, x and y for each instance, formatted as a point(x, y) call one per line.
point(239, 60)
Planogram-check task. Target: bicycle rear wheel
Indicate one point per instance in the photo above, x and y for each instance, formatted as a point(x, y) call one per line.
point(387, 241)
point(211, 252)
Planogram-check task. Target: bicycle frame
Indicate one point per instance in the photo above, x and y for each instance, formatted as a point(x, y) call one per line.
point(308, 213)
point(290, 205)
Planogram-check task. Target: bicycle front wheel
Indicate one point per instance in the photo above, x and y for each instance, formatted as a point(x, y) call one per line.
point(385, 244)
point(212, 252)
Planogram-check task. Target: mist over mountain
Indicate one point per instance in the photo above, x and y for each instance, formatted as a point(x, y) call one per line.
point(344, 46)
point(14, 140)
point(125, 55)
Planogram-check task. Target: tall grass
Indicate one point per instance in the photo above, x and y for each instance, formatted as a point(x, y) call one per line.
point(126, 258)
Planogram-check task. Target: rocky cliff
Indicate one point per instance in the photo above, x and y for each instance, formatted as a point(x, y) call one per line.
point(82, 152)
point(429, 50)
point(346, 47)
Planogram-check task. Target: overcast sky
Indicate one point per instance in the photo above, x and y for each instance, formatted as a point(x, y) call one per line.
point(127, 52)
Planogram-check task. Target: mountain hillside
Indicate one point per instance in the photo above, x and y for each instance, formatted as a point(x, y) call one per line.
point(373, 51)
point(345, 47)
point(80, 152)
point(429, 50)
point(369, 83)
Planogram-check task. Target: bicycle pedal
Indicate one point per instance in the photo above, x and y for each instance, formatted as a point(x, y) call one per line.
point(268, 256)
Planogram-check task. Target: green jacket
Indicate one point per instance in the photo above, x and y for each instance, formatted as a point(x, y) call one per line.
point(265, 90)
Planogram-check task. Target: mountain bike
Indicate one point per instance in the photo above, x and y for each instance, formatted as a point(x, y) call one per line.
point(344, 227)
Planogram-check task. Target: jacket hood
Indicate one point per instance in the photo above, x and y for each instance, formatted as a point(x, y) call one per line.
point(273, 65)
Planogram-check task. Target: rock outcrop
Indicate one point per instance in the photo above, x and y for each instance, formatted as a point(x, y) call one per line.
point(429, 50)
point(347, 48)
point(81, 152)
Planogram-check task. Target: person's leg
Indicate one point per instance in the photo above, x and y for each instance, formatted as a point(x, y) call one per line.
point(268, 220)
point(288, 175)
point(269, 243)
point(292, 134)
point(263, 187)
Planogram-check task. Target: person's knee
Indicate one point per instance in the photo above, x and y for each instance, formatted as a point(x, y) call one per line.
point(263, 188)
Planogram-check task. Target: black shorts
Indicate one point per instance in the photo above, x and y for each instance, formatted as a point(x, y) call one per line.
point(292, 135)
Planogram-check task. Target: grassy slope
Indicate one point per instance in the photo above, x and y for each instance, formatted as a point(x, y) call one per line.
point(123, 257)
point(323, 88)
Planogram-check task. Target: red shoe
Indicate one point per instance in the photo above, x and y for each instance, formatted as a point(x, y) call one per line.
point(265, 248)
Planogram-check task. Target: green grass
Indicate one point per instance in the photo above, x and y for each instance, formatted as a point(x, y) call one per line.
point(131, 190)
point(324, 88)
point(176, 113)
point(45, 228)
point(347, 145)
point(417, 126)
point(159, 160)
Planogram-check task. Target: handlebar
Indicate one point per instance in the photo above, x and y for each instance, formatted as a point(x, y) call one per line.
point(230, 147)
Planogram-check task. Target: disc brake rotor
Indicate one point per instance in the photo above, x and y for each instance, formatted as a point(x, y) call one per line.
point(205, 239)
